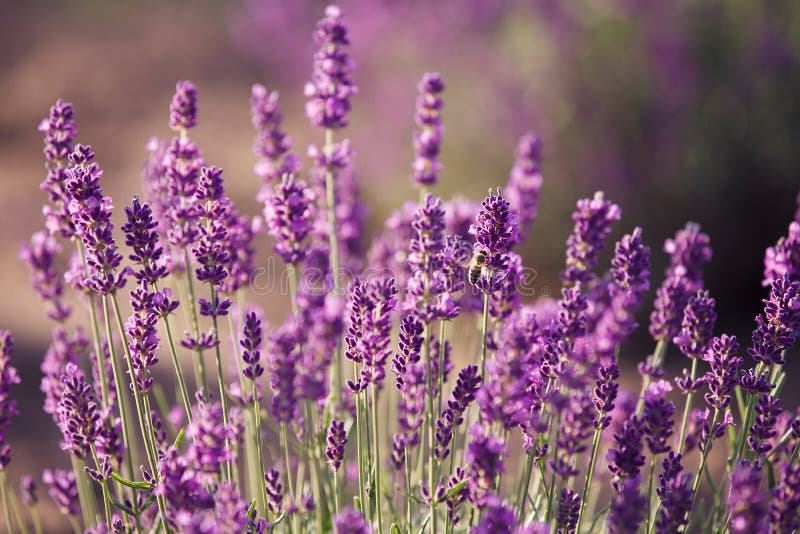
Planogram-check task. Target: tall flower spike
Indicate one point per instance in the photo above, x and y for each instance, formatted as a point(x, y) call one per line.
point(777, 328)
point(722, 376)
point(251, 345)
point(674, 489)
point(350, 521)
point(764, 427)
point(697, 326)
point(747, 504)
point(91, 213)
point(142, 336)
point(46, 280)
point(282, 361)
point(568, 507)
point(271, 145)
point(484, 455)
point(78, 414)
point(426, 167)
point(410, 379)
point(783, 510)
point(289, 214)
point(272, 479)
point(525, 182)
point(627, 508)
point(183, 108)
point(27, 486)
point(657, 416)
point(8, 405)
point(425, 259)
point(63, 489)
point(331, 85)
point(337, 438)
point(593, 218)
point(626, 458)
point(142, 238)
point(59, 132)
point(496, 230)
point(784, 257)
point(208, 450)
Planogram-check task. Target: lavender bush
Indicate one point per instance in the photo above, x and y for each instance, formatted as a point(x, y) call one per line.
point(292, 428)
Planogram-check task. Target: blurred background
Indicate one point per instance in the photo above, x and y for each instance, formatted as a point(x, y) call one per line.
point(679, 110)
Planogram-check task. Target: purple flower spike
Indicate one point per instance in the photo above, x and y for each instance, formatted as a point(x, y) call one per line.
point(722, 377)
point(142, 337)
point(410, 379)
point(657, 416)
point(272, 479)
point(289, 214)
point(626, 458)
point(271, 145)
point(484, 455)
point(675, 490)
point(337, 438)
point(78, 415)
point(331, 85)
point(141, 236)
point(525, 182)
point(747, 504)
point(605, 392)
point(350, 521)
point(27, 487)
point(783, 510)
point(282, 361)
point(63, 489)
point(496, 230)
point(208, 450)
point(627, 508)
point(568, 504)
point(426, 167)
point(697, 326)
point(593, 218)
point(784, 257)
point(8, 406)
point(251, 345)
point(467, 386)
point(59, 132)
point(763, 429)
point(777, 328)
point(183, 108)
point(46, 280)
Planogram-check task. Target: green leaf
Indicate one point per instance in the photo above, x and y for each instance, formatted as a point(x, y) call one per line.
point(179, 438)
point(131, 483)
point(455, 489)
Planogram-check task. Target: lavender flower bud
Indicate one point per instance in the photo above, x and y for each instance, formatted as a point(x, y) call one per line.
point(337, 438)
point(697, 326)
point(209, 450)
point(593, 219)
point(331, 85)
point(183, 108)
point(777, 328)
point(426, 167)
point(568, 507)
point(783, 510)
point(59, 132)
point(496, 230)
point(251, 345)
point(484, 455)
point(27, 487)
point(282, 360)
point(8, 406)
point(763, 429)
point(272, 479)
point(722, 376)
point(63, 489)
point(290, 214)
point(627, 508)
point(674, 489)
point(525, 181)
point(271, 145)
point(350, 521)
point(657, 416)
point(626, 458)
point(142, 337)
point(46, 280)
point(78, 416)
point(747, 504)
point(141, 236)
point(784, 258)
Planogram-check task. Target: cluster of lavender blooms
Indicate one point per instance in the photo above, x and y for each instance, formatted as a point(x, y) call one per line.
point(292, 428)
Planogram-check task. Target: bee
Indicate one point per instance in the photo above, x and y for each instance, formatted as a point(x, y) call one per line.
point(477, 266)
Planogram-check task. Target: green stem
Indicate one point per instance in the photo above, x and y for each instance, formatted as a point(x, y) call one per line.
point(104, 486)
point(658, 358)
point(687, 408)
point(333, 252)
point(221, 380)
point(311, 451)
point(703, 458)
point(85, 494)
point(287, 464)
point(292, 272)
point(442, 325)
point(37, 523)
point(359, 452)
point(6, 501)
point(200, 367)
point(375, 435)
point(259, 451)
point(431, 423)
point(525, 481)
point(484, 333)
point(98, 347)
point(590, 472)
point(187, 402)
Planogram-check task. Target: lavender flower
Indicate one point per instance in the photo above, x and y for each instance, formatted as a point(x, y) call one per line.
point(46, 280)
point(182, 163)
point(208, 450)
point(251, 345)
point(63, 490)
point(142, 337)
point(457, 498)
point(59, 132)
point(777, 328)
point(425, 258)
point(410, 381)
point(697, 326)
point(605, 392)
point(337, 438)
point(783, 510)
point(627, 508)
point(503, 397)
point(674, 489)
point(272, 479)
point(626, 458)
point(484, 455)
point(657, 416)
point(568, 506)
point(211, 250)
point(182, 485)
point(525, 182)
point(722, 376)
point(91, 213)
point(784, 258)
point(350, 521)
point(496, 230)
point(688, 251)
point(290, 214)
point(331, 86)
point(78, 415)
point(230, 511)
point(747, 504)
point(271, 145)
point(577, 426)
point(763, 429)
point(593, 219)
point(183, 108)
point(282, 360)
point(426, 166)
point(8, 406)
point(141, 236)
point(496, 518)
point(467, 385)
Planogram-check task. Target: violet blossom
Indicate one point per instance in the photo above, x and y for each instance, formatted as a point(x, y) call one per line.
point(427, 141)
